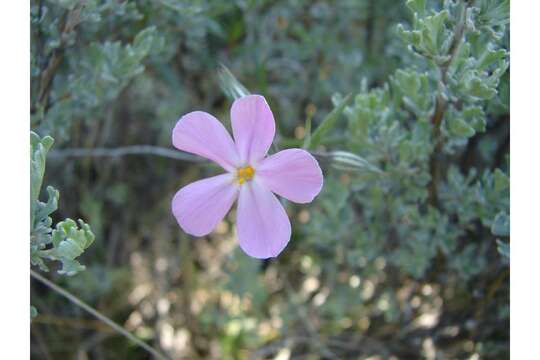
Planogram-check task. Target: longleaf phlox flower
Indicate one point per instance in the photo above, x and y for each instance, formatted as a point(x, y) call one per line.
point(252, 177)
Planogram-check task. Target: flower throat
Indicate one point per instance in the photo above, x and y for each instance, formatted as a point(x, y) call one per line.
point(244, 174)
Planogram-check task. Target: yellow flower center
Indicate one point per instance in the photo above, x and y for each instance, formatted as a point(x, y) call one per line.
point(244, 174)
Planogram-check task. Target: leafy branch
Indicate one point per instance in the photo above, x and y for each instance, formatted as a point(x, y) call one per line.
point(440, 105)
point(71, 19)
point(66, 242)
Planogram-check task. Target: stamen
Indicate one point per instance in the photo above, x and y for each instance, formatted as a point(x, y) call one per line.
point(244, 174)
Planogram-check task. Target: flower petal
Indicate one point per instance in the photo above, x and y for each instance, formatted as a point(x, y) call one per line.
point(202, 134)
point(293, 174)
point(263, 226)
point(200, 206)
point(253, 127)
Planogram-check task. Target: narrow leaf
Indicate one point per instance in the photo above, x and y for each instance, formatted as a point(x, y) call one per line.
point(328, 123)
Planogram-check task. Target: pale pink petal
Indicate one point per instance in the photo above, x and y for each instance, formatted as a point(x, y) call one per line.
point(293, 174)
point(253, 127)
point(200, 206)
point(202, 134)
point(263, 226)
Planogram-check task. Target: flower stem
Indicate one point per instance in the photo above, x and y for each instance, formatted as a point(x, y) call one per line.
point(75, 300)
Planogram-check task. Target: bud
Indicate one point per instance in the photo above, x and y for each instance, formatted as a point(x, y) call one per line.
point(344, 160)
point(230, 85)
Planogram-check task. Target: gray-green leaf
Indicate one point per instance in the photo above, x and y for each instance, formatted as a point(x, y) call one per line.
point(501, 224)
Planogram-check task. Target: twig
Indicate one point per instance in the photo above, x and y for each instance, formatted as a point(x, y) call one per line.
point(75, 300)
point(123, 151)
point(440, 105)
point(495, 285)
point(71, 20)
point(152, 150)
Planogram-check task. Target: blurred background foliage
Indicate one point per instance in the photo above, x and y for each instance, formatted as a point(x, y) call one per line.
point(404, 254)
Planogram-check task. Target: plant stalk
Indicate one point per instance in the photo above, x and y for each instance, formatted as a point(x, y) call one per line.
point(119, 329)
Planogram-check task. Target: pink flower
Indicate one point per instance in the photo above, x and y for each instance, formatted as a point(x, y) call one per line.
point(262, 223)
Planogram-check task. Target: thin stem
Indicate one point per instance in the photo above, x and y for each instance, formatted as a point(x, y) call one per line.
point(440, 105)
point(75, 300)
point(123, 151)
point(68, 24)
point(142, 150)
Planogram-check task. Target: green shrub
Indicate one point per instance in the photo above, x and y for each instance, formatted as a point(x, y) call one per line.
point(404, 253)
